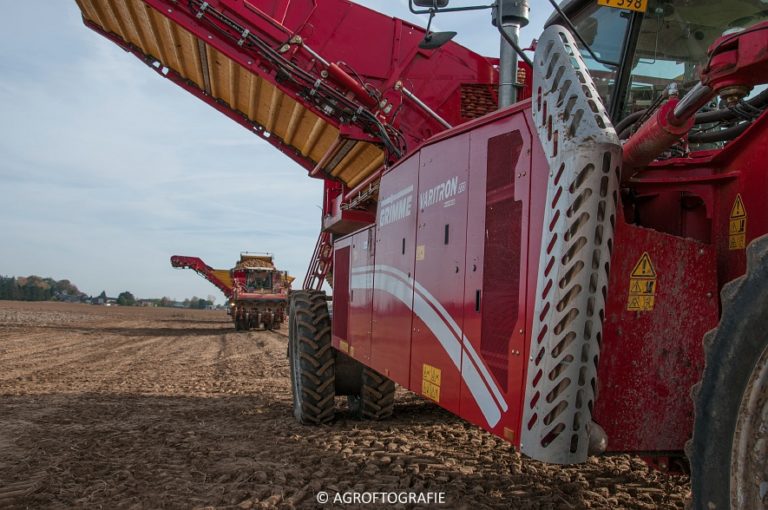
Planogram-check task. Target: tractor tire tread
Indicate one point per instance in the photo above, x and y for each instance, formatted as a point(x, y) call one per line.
point(710, 488)
point(313, 369)
point(377, 396)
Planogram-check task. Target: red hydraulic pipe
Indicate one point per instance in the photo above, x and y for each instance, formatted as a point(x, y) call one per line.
point(342, 78)
point(655, 136)
point(670, 123)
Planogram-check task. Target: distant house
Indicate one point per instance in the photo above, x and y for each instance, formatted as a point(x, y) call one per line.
point(65, 297)
point(102, 299)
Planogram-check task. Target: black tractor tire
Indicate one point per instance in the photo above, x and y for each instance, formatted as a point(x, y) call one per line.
point(311, 358)
point(376, 400)
point(729, 450)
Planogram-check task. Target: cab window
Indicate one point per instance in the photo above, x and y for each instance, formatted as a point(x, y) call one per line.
point(673, 41)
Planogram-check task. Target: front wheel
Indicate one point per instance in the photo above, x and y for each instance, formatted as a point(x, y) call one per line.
point(311, 358)
point(729, 452)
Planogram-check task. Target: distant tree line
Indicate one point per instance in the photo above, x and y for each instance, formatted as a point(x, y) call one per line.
point(195, 302)
point(36, 288)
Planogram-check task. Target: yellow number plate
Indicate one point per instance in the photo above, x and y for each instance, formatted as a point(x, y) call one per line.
point(632, 5)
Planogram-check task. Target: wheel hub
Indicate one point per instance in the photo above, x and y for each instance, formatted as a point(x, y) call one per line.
point(749, 459)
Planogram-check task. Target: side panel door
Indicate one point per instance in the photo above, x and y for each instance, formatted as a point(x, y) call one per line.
point(441, 236)
point(342, 253)
point(361, 299)
point(393, 273)
point(496, 282)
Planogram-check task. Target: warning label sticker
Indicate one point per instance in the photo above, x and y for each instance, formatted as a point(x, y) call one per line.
point(430, 382)
point(737, 225)
point(642, 286)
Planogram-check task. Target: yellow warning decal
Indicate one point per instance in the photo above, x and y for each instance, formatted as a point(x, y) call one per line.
point(642, 286)
point(737, 225)
point(430, 382)
point(343, 346)
point(420, 252)
point(632, 5)
point(643, 268)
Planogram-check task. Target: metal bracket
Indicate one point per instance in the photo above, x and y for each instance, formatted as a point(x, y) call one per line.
point(201, 12)
point(244, 37)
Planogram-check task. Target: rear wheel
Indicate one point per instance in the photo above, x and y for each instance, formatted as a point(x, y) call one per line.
point(731, 427)
point(311, 358)
point(376, 400)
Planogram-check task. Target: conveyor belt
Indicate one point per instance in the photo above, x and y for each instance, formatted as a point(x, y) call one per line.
point(220, 77)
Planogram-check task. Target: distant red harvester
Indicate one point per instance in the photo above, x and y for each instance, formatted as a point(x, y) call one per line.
point(257, 291)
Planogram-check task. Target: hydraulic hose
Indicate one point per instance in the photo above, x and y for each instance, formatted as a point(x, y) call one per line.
point(760, 101)
point(721, 135)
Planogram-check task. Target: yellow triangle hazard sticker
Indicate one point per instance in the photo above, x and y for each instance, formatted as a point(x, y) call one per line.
point(644, 268)
point(738, 211)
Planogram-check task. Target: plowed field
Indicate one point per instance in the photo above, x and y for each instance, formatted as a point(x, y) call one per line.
point(107, 407)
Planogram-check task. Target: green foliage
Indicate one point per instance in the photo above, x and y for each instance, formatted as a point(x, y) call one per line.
point(197, 303)
point(126, 299)
point(36, 288)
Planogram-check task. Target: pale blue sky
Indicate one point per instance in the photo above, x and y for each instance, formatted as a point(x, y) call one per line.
point(107, 169)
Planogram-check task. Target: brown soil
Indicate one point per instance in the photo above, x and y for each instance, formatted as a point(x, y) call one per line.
point(106, 407)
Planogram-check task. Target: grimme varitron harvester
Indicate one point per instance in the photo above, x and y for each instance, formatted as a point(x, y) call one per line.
point(546, 270)
point(256, 290)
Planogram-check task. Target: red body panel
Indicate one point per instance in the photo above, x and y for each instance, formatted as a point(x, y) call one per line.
point(649, 360)
point(481, 380)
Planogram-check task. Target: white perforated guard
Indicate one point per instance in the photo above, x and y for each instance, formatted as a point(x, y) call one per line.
point(584, 158)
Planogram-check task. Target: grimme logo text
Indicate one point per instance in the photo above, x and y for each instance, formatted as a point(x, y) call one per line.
point(396, 207)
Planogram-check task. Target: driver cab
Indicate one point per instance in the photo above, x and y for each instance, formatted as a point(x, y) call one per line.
point(258, 280)
point(637, 55)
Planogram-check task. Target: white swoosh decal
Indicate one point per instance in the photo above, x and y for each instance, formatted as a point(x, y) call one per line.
point(474, 372)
